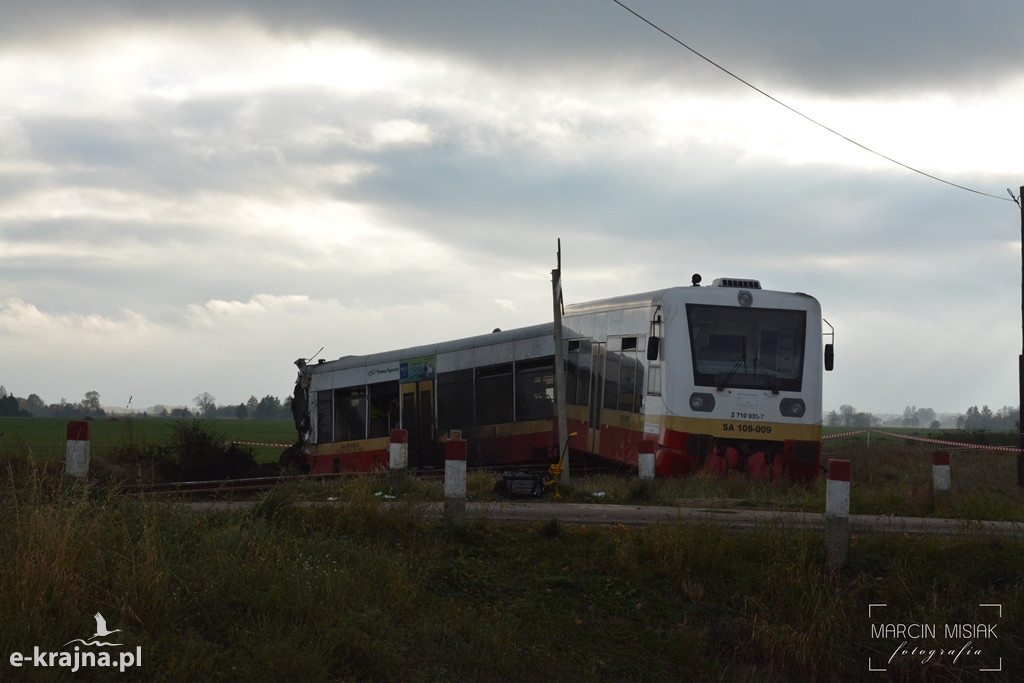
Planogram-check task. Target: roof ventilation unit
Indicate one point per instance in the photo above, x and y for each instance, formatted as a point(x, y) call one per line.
point(736, 282)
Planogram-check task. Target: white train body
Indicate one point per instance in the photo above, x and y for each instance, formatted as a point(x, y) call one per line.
point(727, 377)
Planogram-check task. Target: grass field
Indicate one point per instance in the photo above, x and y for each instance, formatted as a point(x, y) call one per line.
point(893, 475)
point(45, 438)
point(363, 592)
point(358, 591)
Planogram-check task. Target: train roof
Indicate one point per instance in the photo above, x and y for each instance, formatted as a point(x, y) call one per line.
point(464, 344)
point(641, 300)
point(657, 297)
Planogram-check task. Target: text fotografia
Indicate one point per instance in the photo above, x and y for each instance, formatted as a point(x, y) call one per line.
point(954, 644)
point(78, 659)
point(926, 654)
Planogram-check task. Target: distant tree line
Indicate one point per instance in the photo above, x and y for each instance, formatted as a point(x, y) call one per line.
point(272, 408)
point(266, 408)
point(848, 416)
point(1004, 419)
point(33, 406)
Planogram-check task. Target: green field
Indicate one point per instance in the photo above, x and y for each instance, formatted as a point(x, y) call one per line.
point(45, 437)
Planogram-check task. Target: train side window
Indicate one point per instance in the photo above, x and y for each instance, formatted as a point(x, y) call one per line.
point(455, 400)
point(638, 395)
point(631, 380)
point(383, 408)
point(494, 394)
point(611, 381)
point(654, 380)
point(571, 370)
point(583, 361)
point(574, 375)
point(535, 389)
point(350, 413)
point(324, 417)
point(629, 368)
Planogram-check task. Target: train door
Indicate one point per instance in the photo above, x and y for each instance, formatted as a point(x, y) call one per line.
point(418, 421)
point(596, 397)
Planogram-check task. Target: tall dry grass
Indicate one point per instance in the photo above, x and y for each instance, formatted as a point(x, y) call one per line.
point(364, 591)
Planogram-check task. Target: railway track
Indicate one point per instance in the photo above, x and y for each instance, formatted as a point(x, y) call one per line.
point(225, 495)
point(220, 487)
point(598, 514)
point(232, 487)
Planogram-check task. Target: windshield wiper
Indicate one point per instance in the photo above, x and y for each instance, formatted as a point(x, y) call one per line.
point(767, 378)
point(742, 361)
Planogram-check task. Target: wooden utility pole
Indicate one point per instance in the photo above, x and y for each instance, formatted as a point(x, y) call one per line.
point(560, 402)
point(1020, 360)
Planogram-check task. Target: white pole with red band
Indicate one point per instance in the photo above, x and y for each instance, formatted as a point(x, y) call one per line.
point(942, 481)
point(455, 478)
point(76, 461)
point(837, 512)
point(645, 465)
point(940, 472)
point(398, 458)
point(398, 450)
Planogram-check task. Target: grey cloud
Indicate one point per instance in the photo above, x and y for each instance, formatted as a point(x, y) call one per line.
point(788, 226)
point(660, 197)
point(106, 264)
point(201, 145)
point(804, 44)
point(632, 215)
point(144, 156)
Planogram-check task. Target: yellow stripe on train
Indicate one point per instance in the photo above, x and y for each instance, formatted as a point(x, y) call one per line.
point(743, 429)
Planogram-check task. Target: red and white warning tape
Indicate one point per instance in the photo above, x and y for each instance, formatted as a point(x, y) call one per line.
point(912, 437)
point(836, 436)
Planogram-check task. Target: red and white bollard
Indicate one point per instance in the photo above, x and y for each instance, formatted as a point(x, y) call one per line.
point(645, 464)
point(940, 472)
point(398, 458)
point(837, 512)
point(455, 479)
point(941, 480)
point(645, 459)
point(76, 461)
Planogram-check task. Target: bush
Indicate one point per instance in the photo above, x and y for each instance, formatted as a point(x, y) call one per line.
point(204, 454)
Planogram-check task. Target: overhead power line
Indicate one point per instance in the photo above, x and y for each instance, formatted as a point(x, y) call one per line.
point(797, 112)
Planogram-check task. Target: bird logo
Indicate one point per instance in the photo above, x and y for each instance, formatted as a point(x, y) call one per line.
point(101, 632)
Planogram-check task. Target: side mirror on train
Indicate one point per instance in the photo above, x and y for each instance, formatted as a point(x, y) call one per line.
point(829, 357)
point(653, 347)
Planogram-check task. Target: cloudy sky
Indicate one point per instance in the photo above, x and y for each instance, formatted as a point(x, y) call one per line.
point(194, 194)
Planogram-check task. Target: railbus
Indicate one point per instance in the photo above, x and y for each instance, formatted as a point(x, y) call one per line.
point(724, 377)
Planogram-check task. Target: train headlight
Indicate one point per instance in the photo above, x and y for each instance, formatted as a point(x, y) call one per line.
point(702, 403)
point(792, 407)
point(745, 298)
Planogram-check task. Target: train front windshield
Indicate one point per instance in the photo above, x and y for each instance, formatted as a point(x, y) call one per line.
point(747, 348)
